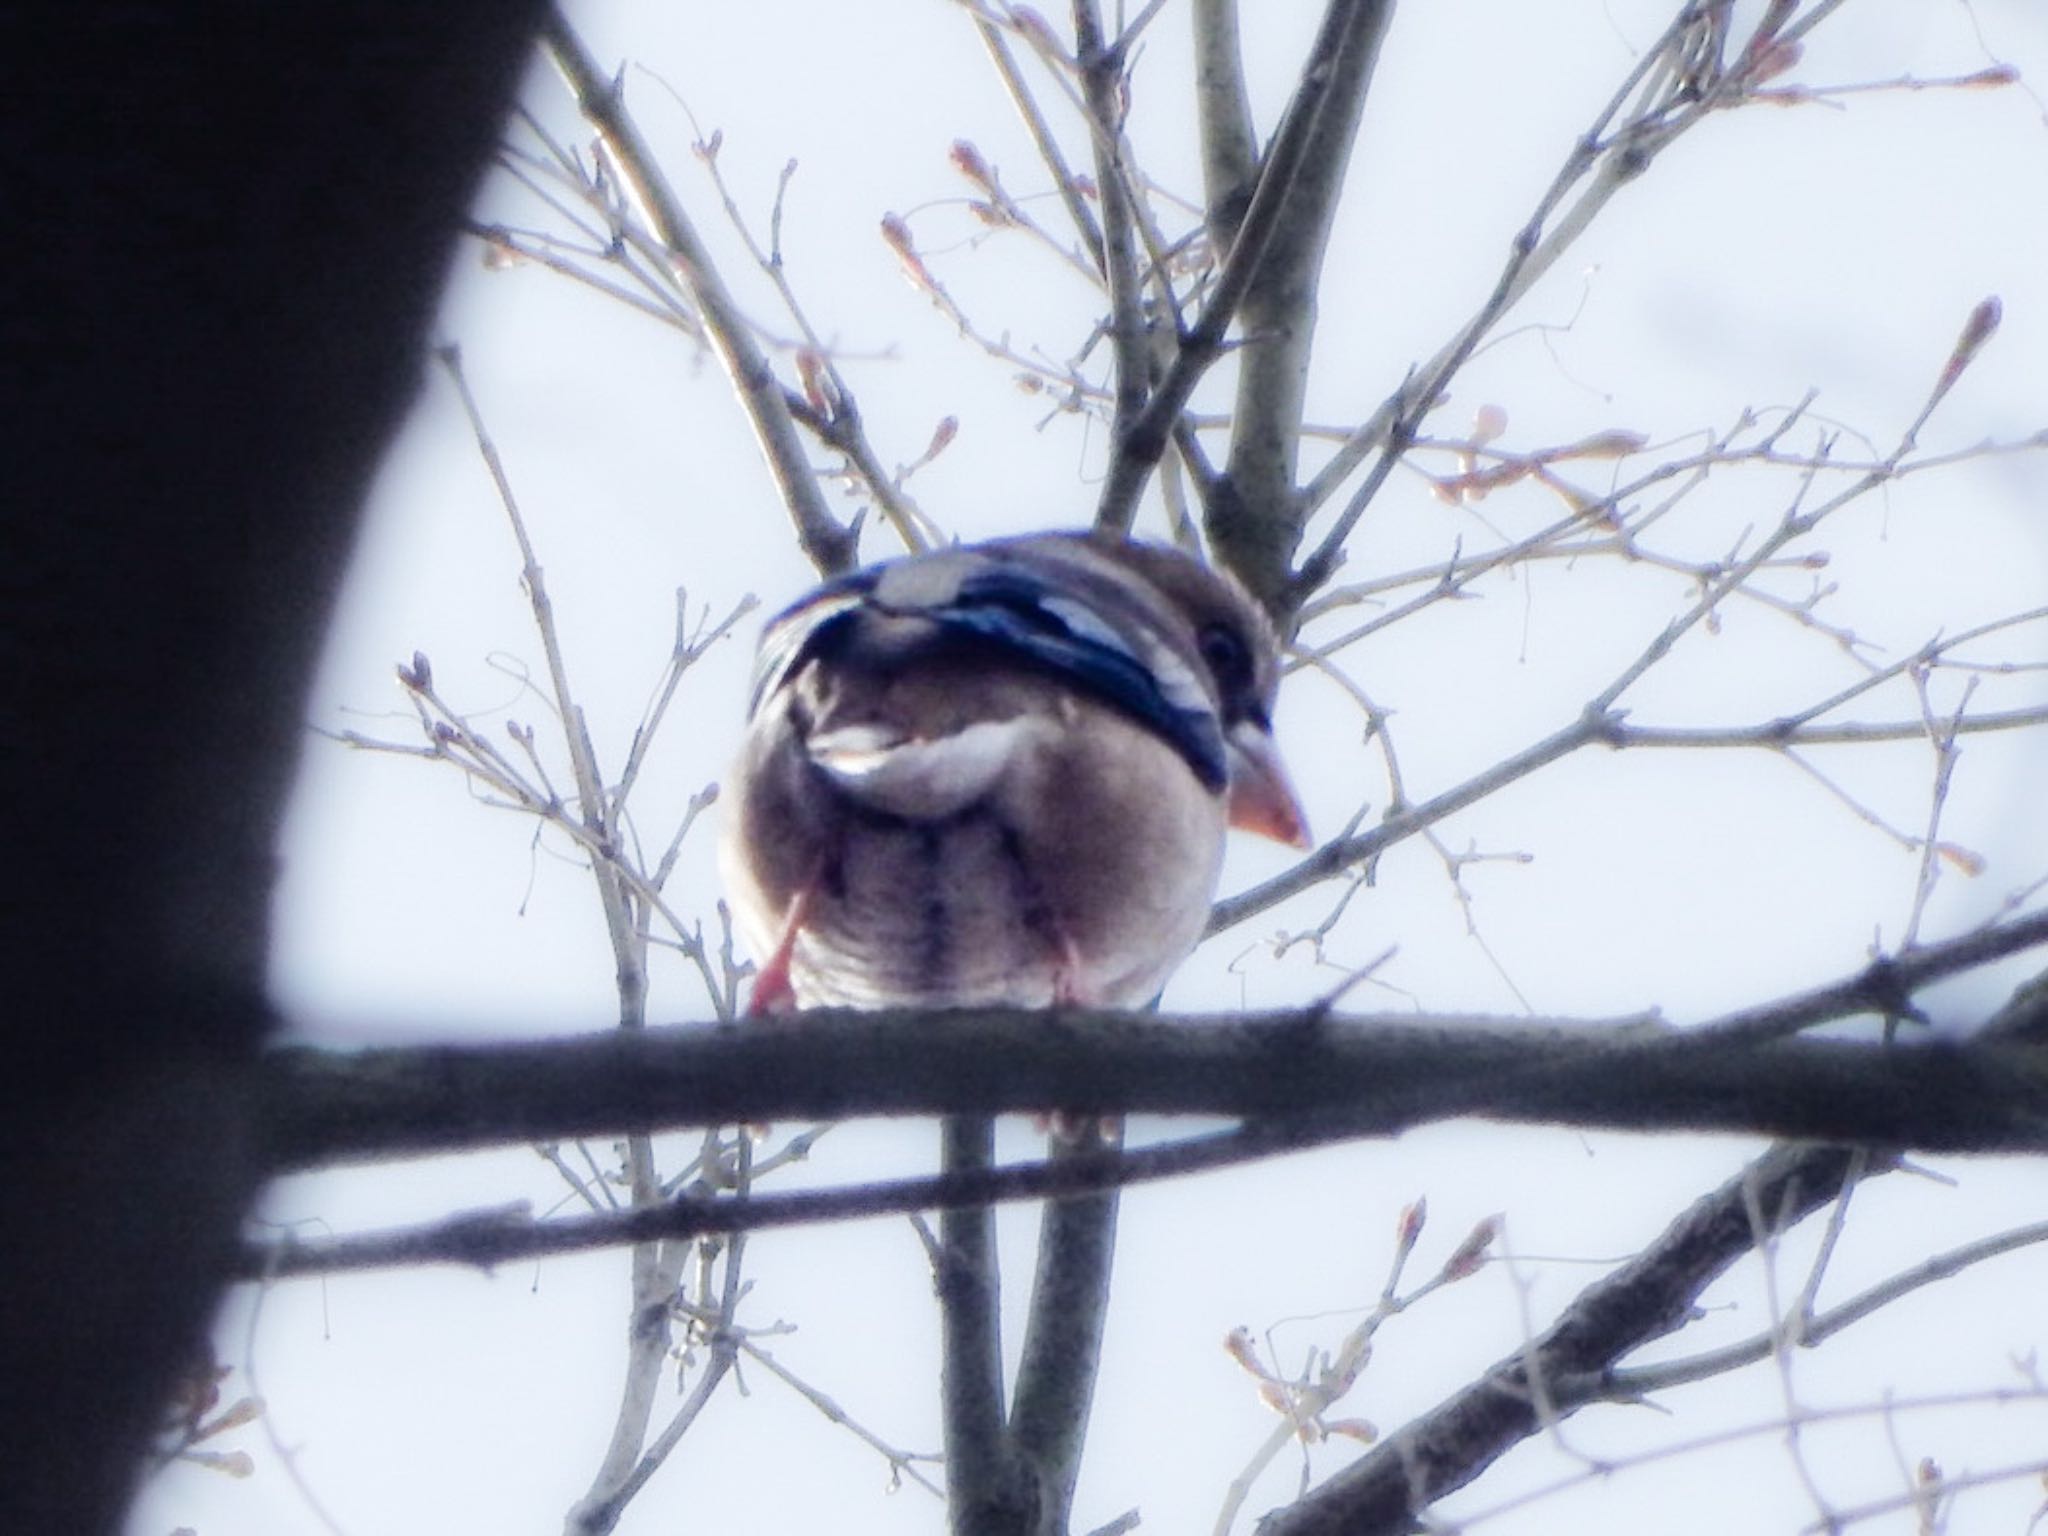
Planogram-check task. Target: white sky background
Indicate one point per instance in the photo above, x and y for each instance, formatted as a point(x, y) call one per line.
point(1836, 248)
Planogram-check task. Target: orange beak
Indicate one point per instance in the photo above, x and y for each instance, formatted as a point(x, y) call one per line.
point(1261, 799)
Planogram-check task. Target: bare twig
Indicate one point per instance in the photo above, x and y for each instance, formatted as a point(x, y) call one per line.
point(1600, 1470)
point(1647, 1297)
point(1042, 139)
point(1638, 1382)
point(1667, 102)
point(829, 407)
point(902, 1463)
point(829, 546)
point(1599, 720)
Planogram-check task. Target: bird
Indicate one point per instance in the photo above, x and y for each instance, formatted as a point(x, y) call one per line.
point(1000, 774)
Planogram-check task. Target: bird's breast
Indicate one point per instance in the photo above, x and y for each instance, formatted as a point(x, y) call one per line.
point(963, 838)
point(949, 913)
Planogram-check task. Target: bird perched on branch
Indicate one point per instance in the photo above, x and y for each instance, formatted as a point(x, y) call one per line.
point(1000, 774)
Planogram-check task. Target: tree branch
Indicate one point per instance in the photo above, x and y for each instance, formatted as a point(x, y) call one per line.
point(829, 546)
point(1230, 153)
point(987, 1493)
point(1139, 450)
point(1307, 1081)
point(1063, 1340)
point(1255, 525)
point(1103, 86)
point(1042, 138)
point(1650, 1296)
point(1634, 1385)
point(1379, 1075)
point(1670, 103)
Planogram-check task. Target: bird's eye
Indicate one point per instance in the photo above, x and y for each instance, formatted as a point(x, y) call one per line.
point(1228, 657)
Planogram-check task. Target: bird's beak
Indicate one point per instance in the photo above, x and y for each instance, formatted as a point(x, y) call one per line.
point(1261, 799)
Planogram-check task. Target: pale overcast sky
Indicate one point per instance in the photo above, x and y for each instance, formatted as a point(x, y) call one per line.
point(1836, 247)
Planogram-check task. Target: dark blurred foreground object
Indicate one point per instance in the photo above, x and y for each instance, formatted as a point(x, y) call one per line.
point(229, 227)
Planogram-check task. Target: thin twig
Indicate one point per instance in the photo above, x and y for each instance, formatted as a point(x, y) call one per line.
point(1639, 1382)
point(829, 546)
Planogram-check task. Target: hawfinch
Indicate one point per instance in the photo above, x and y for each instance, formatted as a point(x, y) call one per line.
point(1000, 774)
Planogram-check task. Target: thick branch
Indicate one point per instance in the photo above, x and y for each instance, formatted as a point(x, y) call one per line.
point(1230, 153)
point(1378, 1076)
point(1103, 85)
point(2006, 1085)
point(1256, 526)
point(987, 1493)
point(1139, 450)
point(1063, 1340)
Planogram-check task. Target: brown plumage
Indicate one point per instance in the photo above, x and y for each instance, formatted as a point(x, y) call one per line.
point(1000, 774)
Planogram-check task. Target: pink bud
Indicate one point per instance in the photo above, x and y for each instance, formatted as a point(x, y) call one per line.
point(1466, 1258)
point(1978, 329)
point(1413, 1216)
point(967, 160)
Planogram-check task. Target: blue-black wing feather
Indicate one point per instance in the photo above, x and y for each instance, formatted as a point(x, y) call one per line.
point(1012, 610)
